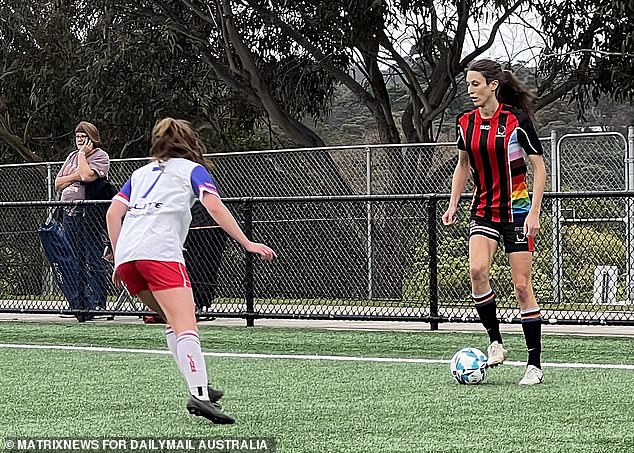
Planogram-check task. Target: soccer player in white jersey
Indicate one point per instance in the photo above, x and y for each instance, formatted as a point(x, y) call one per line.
point(148, 222)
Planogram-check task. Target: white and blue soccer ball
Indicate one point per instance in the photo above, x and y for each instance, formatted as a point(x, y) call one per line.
point(469, 366)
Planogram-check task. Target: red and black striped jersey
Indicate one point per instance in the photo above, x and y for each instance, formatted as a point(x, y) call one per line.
point(496, 148)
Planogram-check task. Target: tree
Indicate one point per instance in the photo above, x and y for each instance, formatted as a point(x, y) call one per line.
point(95, 62)
point(428, 45)
point(38, 55)
point(138, 73)
point(376, 33)
point(589, 51)
point(261, 68)
point(278, 62)
point(247, 57)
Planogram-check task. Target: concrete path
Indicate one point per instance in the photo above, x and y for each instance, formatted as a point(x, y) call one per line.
point(404, 326)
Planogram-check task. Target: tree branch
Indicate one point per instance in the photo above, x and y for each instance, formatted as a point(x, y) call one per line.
point(588, 51)
point(494, 30)
point(128, 143)
point(407, 69)
point(14, 141)
point(30, 120)
point(322, 59)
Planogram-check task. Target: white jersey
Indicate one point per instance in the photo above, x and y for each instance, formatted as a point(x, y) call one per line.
point(159, 197)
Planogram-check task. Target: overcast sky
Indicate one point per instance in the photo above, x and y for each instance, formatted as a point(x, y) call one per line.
point(514, 41)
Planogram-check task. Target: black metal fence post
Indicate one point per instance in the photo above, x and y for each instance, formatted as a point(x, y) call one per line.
point(432, 237)
point(249, 285)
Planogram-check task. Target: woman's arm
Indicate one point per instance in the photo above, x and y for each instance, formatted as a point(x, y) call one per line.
point(539, 181)
point(458, 181)
point(61, 182)
point(64, 178)
point(86, 173)
point(92, 162)
point(531, 225)
point(114, 220)
point(227, 222)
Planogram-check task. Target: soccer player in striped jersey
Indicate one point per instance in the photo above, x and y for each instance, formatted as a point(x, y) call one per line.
point(148, 222)
point(493, 140)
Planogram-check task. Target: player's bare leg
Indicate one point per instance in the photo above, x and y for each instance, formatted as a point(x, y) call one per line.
point(177, 306)
point(521, 268)
point(481, 252)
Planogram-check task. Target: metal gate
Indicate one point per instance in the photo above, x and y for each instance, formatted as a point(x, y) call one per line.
point(593, 162)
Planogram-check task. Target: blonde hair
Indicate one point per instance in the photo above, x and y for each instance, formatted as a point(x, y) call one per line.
point(91, 131)
point(177, 138)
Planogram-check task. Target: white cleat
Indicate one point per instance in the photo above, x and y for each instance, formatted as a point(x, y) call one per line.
point(496, 353)
point(532, 376)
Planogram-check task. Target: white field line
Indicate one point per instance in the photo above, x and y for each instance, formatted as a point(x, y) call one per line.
point(334, 358)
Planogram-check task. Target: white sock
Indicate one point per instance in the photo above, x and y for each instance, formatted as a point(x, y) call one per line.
point(192, 363)
point(170, 338)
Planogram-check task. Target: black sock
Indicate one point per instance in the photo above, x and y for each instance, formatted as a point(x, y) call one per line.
point(485, 306)
point(532, 327)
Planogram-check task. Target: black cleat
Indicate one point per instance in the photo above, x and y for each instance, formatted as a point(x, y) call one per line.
point(209, 410)
point(214, 395)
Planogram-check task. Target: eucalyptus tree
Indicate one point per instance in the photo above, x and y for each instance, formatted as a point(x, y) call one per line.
point(64, 61)
point(38, 55)
point(588, 52)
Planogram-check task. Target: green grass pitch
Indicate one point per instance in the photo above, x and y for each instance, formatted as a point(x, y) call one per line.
point(318, 405)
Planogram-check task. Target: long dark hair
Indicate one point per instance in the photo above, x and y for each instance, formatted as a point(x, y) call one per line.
point(177, 138)
point(510, 90)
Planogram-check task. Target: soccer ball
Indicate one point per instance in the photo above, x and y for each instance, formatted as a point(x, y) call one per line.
point(469, 366)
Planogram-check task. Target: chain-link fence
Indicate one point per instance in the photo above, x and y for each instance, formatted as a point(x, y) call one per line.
point(351, 257)
point(591, 162)
point(346, 255)
point(55, 257)
point(597, 161)
point(349, 170)
point(580, 162)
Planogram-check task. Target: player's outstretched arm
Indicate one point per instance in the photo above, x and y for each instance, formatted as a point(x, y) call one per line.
point(227, 222)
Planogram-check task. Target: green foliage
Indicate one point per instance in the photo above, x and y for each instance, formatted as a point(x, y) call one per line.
point(589, 45)
point(585, 248)
point(124, 63)
point(119, 70)
point(453, 266)
point(39, 56)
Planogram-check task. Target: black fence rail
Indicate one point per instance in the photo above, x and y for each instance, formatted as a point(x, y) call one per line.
point(344, 257)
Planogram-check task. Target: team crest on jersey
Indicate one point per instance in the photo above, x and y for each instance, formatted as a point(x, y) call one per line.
point(501, 131)
point(520, 236)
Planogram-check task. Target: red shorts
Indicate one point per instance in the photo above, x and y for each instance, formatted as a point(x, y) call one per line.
point(153, 275)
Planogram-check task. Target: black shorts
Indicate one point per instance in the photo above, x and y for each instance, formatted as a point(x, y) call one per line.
point(510, 234)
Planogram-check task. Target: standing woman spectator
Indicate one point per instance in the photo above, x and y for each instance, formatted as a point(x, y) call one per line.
point(148, 222)
point(86, 163)
point(493, 139)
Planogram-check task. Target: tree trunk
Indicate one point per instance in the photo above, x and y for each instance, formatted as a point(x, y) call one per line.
point(388, 132)
point(16, 143)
